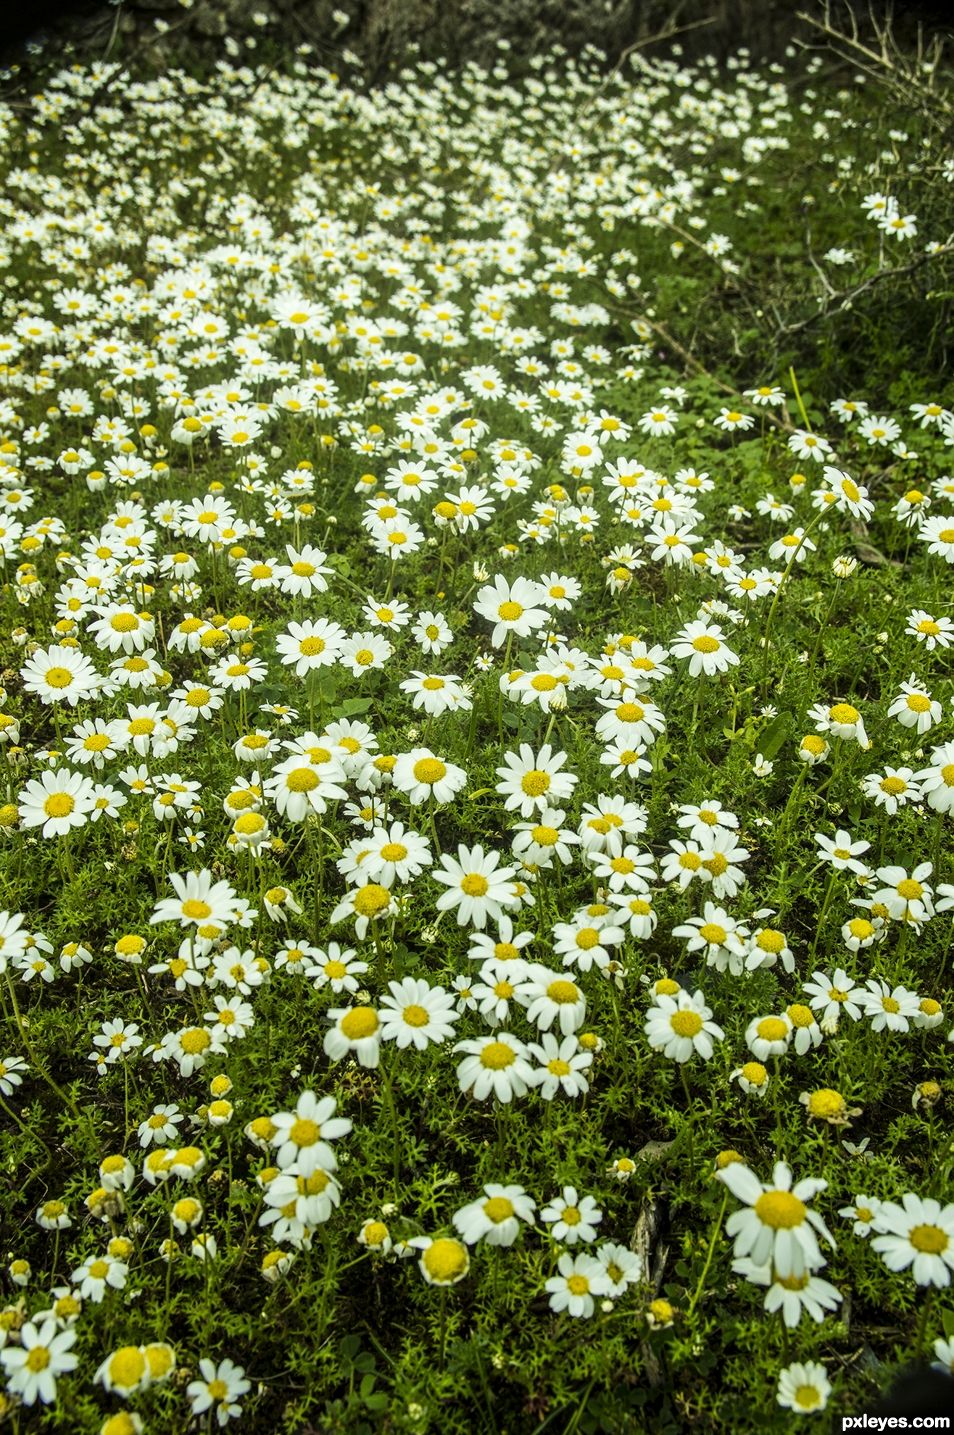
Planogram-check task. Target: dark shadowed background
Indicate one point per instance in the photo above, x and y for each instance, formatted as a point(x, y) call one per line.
point(385, 32)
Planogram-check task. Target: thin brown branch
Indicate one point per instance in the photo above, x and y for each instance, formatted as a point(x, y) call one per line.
point(697, 367)
point(846, 298)
point(668, 32)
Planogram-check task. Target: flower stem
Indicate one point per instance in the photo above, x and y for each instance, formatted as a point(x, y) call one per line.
point(388, 1091)
point(921, 1330)
point(690, 1114)
point(826, 903)
point(38, 1065)
point(700, 1285)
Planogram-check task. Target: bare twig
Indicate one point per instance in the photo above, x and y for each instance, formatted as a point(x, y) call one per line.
point(910, 80)
point(696, 367)
point(669, 32)
point(846, 298)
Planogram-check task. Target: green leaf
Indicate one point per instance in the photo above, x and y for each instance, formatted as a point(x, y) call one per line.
point(327, 686)
point(947, 1324)
point(775, 734)
point(349, 1347)
point(352, 707)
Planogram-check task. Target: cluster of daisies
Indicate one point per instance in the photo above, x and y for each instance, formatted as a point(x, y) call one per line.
point(776, 1246)
point(284, 661)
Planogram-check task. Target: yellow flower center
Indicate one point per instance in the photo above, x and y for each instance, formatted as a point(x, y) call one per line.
point(563, 992)
point(510, 611)
point(498, 1209)
point(826, 1103)
point(301, 779)
point(497, 1056)
point(359, 1023)
point(58, 678)
point(713, 933)
point(705, 644)
point(630, 712)
point(304, 1132)
point(587, 938)
point(686, 1023)
point(474, 885)
point(535, 782)
point(930, 1239)
point(780, 1210)
point(843, 713)
point(59, 804)
point(429, 770)
point(772, 1028)
point(445, 1261)
point(893, 786)
point(195, 1040)
point(38, 1359)
point(370, 900)
point(909, 889)
point(755, 1073)
point(918, 703)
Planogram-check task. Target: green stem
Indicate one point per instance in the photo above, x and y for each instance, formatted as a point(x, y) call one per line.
point(700, 1284)
point(921, 1330)
point(819, 635)
point(776, 595)
point(690, 1114)
point(826, 903)
point(27, 1130)
point(38, 1065)
point(799, 400)
point(442, 1346)
point(395, 1129)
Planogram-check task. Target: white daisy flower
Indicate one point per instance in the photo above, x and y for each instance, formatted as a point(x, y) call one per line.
point(776, 1225)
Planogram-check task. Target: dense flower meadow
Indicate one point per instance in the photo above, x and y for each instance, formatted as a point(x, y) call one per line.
point(476, 835)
